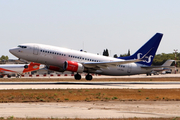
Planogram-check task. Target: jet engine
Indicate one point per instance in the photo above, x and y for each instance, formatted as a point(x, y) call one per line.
point(73, 66)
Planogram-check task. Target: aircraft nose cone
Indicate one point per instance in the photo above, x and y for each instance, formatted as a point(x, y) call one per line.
point(13, 51)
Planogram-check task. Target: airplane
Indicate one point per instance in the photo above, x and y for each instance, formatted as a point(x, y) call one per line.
point(164, 67)
point(63, 59)
point(9, 69)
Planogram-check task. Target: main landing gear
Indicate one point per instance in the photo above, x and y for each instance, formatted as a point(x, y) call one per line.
point(78, 76)
point(88, 77)
point(18, 76)
point(1, 76)
point(148, 74)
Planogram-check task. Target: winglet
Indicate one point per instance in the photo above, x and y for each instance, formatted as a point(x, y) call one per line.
point(148, 50)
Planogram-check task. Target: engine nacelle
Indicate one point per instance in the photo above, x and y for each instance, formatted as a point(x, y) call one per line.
point(73, 66)
point(54, 68)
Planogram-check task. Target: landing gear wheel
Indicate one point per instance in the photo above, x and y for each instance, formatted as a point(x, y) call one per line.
point(18, 76)
point(8, 76)
point(89, 77)
point(148, 74)
point(77, 76)
point(1, 76)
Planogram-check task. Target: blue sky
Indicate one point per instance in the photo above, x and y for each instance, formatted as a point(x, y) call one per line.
point(92, 25)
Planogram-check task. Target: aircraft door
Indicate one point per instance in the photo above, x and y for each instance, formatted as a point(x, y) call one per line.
point(129, 68)
point(35, 50)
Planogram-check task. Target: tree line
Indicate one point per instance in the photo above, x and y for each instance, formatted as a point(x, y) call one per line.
point(159, 59)
point(4, 58)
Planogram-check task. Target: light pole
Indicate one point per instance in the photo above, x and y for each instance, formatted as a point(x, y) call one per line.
point(175, 58)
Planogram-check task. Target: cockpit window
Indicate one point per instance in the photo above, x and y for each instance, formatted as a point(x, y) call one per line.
point(21, 46)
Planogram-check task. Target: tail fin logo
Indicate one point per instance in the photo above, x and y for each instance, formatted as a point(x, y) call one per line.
point(147, 57)
point(36, 66)
point(139, 55)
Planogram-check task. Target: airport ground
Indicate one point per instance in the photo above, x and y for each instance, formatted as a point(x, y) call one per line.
point(133, 104)
point(69, 78)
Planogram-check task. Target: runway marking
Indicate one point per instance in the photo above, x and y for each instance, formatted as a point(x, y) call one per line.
point(89, 85)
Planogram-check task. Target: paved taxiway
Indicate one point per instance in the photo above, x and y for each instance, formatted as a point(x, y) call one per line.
point(89, 85)
point(112, 109)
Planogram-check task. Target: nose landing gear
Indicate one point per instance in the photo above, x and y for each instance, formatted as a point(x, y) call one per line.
point(77, 76)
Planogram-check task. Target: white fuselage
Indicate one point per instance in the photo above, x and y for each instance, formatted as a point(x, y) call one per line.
point(11, 68)
point(56, 56)
point(8, 69)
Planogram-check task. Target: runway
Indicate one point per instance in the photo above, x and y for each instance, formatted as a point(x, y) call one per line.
point(89, 85)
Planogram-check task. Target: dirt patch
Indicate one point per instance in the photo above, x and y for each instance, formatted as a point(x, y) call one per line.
point(66, 95)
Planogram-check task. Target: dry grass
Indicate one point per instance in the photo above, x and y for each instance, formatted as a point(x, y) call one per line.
point(61, 95)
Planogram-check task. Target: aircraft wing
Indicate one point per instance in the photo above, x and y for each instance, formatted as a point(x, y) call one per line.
point(96, 65)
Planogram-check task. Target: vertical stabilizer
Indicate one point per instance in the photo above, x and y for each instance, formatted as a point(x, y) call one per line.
point(148, 50)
